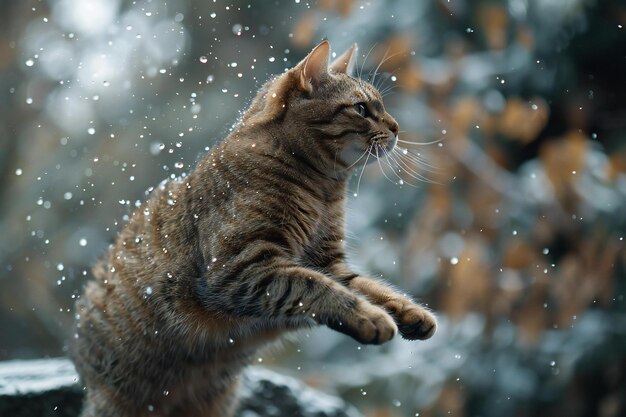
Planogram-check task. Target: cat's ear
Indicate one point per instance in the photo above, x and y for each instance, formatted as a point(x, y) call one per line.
point(344, 64)
point(313, 68)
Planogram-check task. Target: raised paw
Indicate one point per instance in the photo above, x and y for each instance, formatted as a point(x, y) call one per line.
point(414, 321)
point(367, 324)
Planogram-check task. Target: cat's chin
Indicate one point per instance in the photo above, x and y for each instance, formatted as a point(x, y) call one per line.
point(391, 143)
point(385, 147)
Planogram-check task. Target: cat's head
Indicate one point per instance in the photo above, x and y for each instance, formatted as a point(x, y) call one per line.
point(326, 113)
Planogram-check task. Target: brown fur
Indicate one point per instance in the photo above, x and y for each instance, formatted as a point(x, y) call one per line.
point(250, 245)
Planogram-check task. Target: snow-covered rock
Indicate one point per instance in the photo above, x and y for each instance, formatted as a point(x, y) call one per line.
point(49, 387)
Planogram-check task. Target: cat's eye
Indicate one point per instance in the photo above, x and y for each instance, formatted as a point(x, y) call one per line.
point(361, 108)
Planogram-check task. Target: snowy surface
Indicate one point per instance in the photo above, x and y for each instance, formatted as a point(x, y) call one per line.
point(266, 393)
point(39, 387)
point(36, 376)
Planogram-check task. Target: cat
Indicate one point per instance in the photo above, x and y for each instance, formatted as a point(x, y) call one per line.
point(249, 246)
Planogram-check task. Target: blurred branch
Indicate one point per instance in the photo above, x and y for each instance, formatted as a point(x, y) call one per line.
point(481, 165)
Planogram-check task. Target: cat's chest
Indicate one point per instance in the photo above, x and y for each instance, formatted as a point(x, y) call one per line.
point(325, 229)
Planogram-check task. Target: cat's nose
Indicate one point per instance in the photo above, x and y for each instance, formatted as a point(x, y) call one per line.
point(393, 126)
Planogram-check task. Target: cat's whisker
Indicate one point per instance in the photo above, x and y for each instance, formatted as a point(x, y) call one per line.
point(357, 161)
point(381, 167)
point(412, 173)
point(417, 159)
point(418, 177)
point(400, 158)
point(360, 73)
point(401, 181)
point(378, 67)
point(408, 168)
point(408, 142)
point(385, 60)
point(358, 184)
point(387, 90)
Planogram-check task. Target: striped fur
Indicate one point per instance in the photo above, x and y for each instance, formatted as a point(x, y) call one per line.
point(218, 265)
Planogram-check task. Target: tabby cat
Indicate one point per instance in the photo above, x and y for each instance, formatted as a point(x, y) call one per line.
point(250, 245)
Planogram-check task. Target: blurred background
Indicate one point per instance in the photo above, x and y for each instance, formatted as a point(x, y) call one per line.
point(515, 238)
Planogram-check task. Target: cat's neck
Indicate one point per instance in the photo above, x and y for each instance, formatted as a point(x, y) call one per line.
point(284, 145)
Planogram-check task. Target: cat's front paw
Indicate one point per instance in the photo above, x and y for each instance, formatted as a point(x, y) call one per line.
point(414, 322)
point(368, 324)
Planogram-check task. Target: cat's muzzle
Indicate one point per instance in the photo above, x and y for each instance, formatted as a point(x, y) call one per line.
point(392, 142)
point(386, 143)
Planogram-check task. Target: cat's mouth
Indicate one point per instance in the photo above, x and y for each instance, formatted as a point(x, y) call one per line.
point(381, 145)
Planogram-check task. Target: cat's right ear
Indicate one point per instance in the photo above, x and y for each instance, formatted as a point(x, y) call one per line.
point(313, 68)
point(344, 64)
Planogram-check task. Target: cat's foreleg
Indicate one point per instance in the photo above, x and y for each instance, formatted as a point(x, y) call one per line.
point(281, 291)
point(414, 321)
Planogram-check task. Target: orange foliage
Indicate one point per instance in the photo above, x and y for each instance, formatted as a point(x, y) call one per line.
point(494, 21)
point(523, 121)
point(563, 160)
point(304, 30)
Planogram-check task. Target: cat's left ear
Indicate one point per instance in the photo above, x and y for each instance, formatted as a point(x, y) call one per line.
point(313, 68)
point(344, 64)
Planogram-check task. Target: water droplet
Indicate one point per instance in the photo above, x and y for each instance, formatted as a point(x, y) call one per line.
point(91, 131)
point(213, 15)
point(454, 260)
point(237, 28)
point(82, 241)
point(149, 290)
point(18, 172)
point(204, 59)
point(210, 79)
point(29, 62)
point(156, 148)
